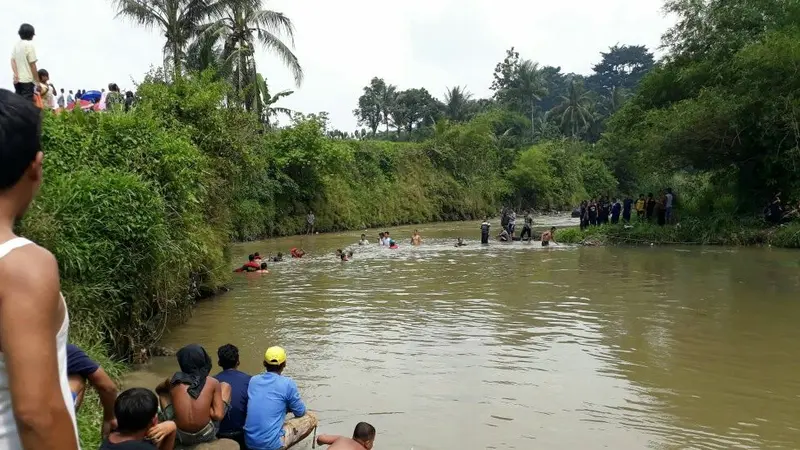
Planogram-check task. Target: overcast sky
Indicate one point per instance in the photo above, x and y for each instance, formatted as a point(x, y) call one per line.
point(343, 44)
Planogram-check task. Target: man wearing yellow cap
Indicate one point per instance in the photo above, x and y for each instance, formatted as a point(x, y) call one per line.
point(270, 396)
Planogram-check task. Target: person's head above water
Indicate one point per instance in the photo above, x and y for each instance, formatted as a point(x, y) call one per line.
point(275, 359)
point(251, 257)
point(364, 434)
point(256, 255)
point(20, 153)
point(228, 356)
point(363, 236)
point(263, 266)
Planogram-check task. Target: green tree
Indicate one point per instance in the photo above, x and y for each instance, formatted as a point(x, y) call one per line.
point(621, 67)
point(369, 111)
point(575, 109)
point(240, 27)
point(519, 84)
point(178, 20)
point(264, 103)
point(412, 108)
point(458, 104)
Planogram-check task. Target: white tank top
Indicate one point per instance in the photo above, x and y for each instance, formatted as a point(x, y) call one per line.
point(9, 436)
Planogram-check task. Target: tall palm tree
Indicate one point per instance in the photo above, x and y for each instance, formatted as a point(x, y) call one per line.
point(529, 88)
point(179, 20)
point(240, 27)
point(575, 108)
point(457, 103)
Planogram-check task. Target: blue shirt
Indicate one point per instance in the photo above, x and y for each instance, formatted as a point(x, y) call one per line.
point(79, 363)
point(234, 420)
point(270, 397)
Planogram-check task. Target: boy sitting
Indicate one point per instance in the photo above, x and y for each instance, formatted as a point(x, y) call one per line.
point(137, 424)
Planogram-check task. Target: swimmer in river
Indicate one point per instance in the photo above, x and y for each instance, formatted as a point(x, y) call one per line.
point(263, 269)
point(343, 257)
point(250, 266)
point(363, 439)
point(504, 236)
point(297, 252)
point(278, 258)
point(257, 257)
point(416, 239)
point(460, 242)
point(350, 254)
point(381, 239)
point(363, 240)
point(548, 236)
point(339, 252)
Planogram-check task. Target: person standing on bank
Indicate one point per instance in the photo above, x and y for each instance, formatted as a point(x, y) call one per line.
point(35, 400)
point(23, 63)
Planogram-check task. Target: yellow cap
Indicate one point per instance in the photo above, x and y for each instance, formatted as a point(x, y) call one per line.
point(275, 356)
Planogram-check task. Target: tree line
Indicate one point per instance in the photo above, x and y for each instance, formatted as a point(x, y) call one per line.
point(554, 104)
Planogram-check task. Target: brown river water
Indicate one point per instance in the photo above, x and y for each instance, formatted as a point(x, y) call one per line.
point(512, 346)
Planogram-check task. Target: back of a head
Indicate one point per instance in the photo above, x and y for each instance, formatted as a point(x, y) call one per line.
point(229, 355)
point(251, 257)
point(263, 266)
point(26, 32)
point(135, 410)
point(20, 130)
point(364, 432)
point(43, 73)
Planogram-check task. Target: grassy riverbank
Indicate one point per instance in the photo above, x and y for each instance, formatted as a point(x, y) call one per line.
point(691, 231)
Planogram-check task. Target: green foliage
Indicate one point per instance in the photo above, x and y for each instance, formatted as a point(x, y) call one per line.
point(557, 175)
point(725, 103)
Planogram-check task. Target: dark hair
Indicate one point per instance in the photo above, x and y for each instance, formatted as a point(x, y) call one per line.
point(256, 255)
point(364, 432)
point(20, 137)
point(44, 73)
point(26, 32)
point(343, 256)
point(228, 355)
point(263, 266)
point(62, 90)
point(129, 94)
point(552, 228)
point(274, 368)
point(363, 235)
point(251, 257)
point(135, 410)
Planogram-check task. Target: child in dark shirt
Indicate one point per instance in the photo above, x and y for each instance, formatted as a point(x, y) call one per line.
point(137, 424)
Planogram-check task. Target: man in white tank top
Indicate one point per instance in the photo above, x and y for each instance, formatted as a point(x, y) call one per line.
point(35, 401)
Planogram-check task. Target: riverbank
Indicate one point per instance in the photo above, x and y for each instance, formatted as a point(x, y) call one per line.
point(690, 231)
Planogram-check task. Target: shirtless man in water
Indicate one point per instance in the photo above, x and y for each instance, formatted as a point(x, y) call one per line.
point(416, 239)
point(195, 401)
point(363, 439)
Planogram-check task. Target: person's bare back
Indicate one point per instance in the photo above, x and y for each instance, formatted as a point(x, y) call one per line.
point(363, 439)
point(339, 442)
point(192, 415)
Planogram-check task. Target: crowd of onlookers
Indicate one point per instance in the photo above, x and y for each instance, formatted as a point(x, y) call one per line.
point(653, 209)
point(34, 83)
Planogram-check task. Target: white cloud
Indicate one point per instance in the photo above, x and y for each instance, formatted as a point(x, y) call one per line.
point(342, 45)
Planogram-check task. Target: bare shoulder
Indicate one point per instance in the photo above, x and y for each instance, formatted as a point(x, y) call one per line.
point(28, 267)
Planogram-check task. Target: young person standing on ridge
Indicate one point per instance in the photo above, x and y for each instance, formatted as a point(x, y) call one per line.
point(35, 400)
point(23, 63)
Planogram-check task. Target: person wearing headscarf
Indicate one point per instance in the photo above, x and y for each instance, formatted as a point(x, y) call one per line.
point(192, 399)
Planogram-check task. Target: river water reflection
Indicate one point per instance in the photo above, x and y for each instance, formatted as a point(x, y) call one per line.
point(515, 346)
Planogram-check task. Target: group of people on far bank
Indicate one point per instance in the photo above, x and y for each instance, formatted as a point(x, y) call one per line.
point(600, 211)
